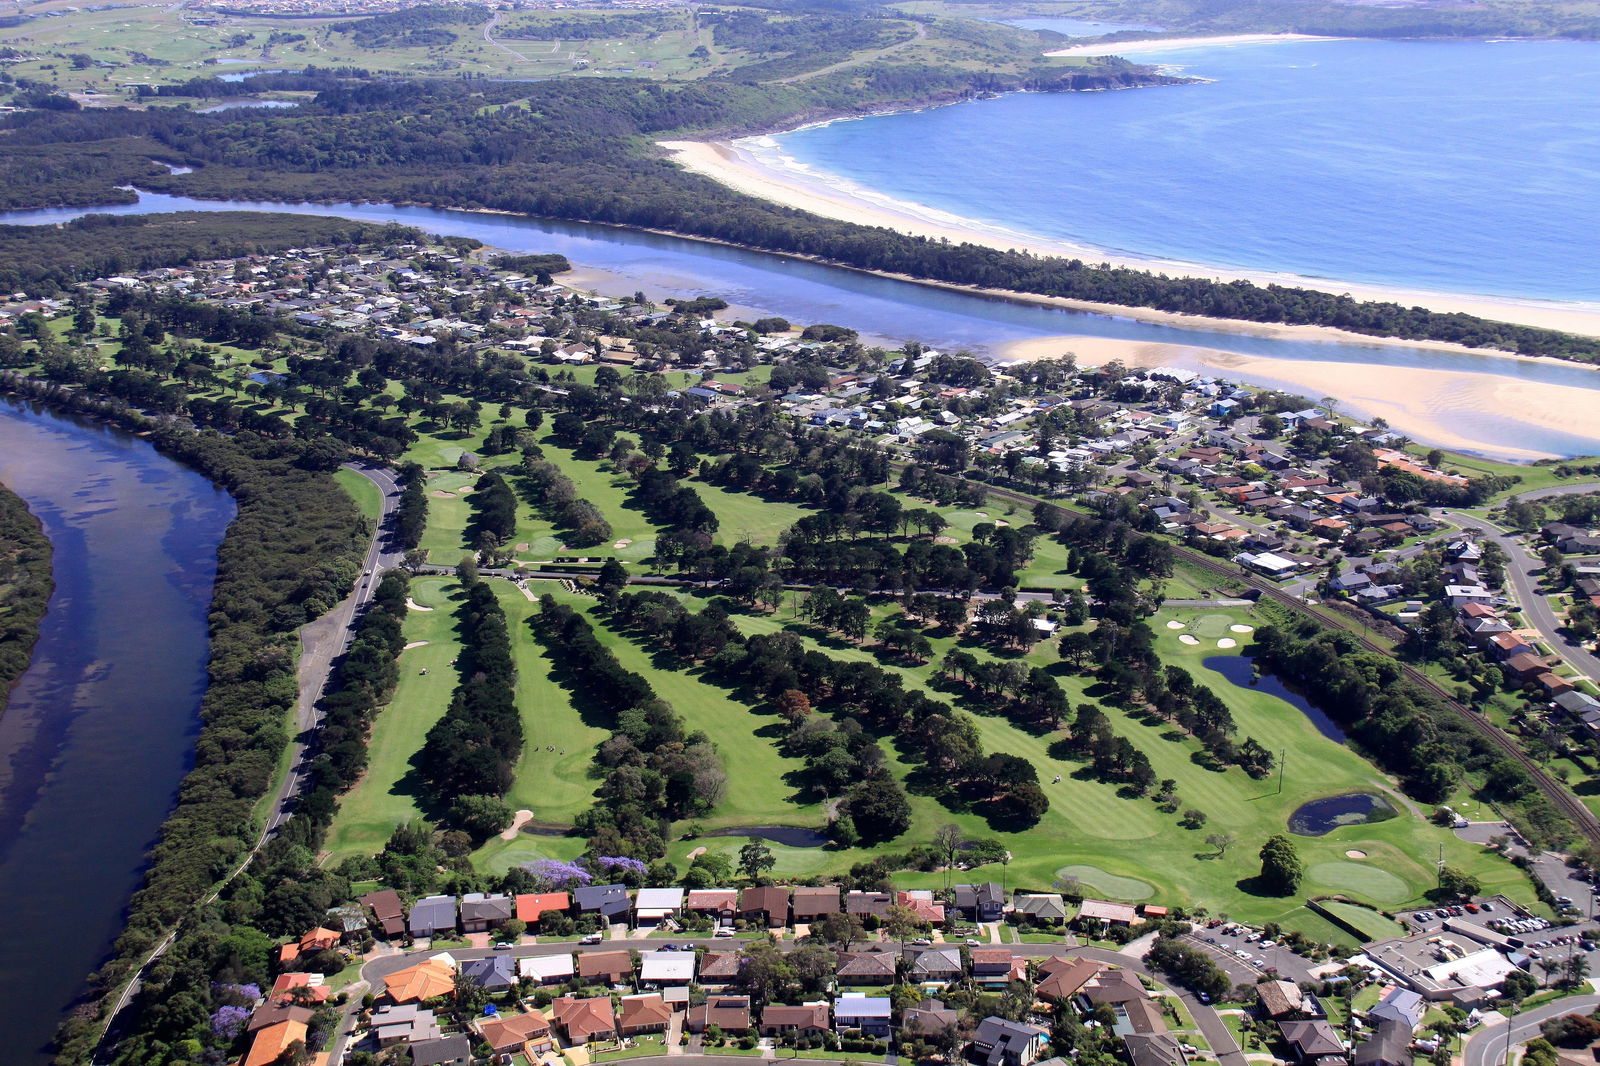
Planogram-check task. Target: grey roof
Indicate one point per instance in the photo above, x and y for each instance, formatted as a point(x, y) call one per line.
point(1000, 1033)
point(1401, 1004)
point(1390, 1045)
point(445, 1049)
point(937, 961)
point(475, 906)
point(433, 912)
point(601, 897)
point(862, 1007)
point(1152, 1049)
point(495, 971)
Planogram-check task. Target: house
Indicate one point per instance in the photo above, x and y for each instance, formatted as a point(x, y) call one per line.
point(1526, 667)
point(809, 904)
point(609, 901)
point(519, 1032)
point(606, 967)
point(1153, 1049)
point(1045, 907)
point(584, 1020)
point(480, 912)
point(299, 987)
point(718, 968)
point(997, 966)
point(427, 980)
point(386, 911)
point(731, 1014)
point(866, 968)
point(937, 965)
point(981, 903)
point(547, 969)
point(495, 973)
point(655, 904)
point(1390, 1045)
point(1576, 704)
point(658, 969)
point(862, 904)
point(1399, 1004)
point(1112, 913)
point(1314, 1043)
point(533, 906)
point(869, 1014)
point(810, 1019)
point(722, 904)
point(273, 1041)
point(445, 1051)
point(999, 1042)
point(928, 1018)
point(1062, 979)
point(921, 903)
point(404, 1023)
point(1112, 988)
point(768, 903)
point(1280, 999)
point(271, 1013)
point(433, 915)
point(644, 1013)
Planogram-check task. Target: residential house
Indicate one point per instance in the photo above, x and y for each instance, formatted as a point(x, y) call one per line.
point(981, 903)
point(654, 905)
point(446, 1051)
point(921, 903)
point(939, 965)
point(1047, 907)
point(997, 966)
point(1313, 1043)
point(866, 968)
point(659, 969)
point(606, 967)
point(810, 1019)
point(869, 1014)
point(433, 915)
point(1113, 987)
point(271, 1013)
point(928, 1019)
point(495, 973)
point(608, 901)
point(1111, 913)
point(1153, 1049)
point(517, 1033)
point(427, 980)
point(767, 903)
point(1390, 1045)
point(1280, 999)
point(731, 1014)
point(999, 1042)
point(720, 904)
point(862, 904)
point(1400, 1004)
point(1526, 667)
point(547, 969)
point(318, 939)
point(273, 1041)
point(1062, 979)
point(583, 1021)
point(404, 1023)
point(809, 904)
point(533, 906)
point(719, 968)
point(644, 1013)
point(386, 911)
point(480, 912)
point(299, 987)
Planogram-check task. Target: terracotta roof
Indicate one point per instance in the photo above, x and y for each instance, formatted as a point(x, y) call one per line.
point(273, 1041)
point(584, 1019)
point(605, 964)
point(721, 965)
point(298, 986)
point(1064, 978)
point(531, 906)
point(645, 1010)
point(724, 1012)
point(424, 981)
point(513, 1032)
point(713, 899)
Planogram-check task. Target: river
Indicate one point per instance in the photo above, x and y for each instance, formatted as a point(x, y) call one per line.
point(884, 309)
point(101, 726)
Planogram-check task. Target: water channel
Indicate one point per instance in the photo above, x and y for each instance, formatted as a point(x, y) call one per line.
point(101, 727)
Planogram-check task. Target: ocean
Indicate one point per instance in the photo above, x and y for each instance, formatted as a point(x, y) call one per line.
point(1466, 167)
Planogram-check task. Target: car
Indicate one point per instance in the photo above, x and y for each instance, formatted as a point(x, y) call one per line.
point(1268, 944)
point(1586, 945)
point(1241, 952)
point(1252, 938)
point(1211, 940)
point(922, 942)
point(668, 947)
point(1423, 916)
point(503, 947)
point(1204, 997)
point(1472, 908)
point(971, 943)
point(1488, 908)
point(723, 933)
point(592, 938)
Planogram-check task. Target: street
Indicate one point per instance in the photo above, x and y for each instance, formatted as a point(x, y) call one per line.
point(1490, 1045)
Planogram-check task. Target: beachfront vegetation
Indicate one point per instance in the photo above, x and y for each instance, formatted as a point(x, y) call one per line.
point(25, 587)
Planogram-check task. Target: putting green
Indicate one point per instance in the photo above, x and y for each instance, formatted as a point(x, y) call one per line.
point(1367, 880)
point(1110, 885)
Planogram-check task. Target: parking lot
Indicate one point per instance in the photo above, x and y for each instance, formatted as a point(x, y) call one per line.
point(1245, 955)
point(1540, 939)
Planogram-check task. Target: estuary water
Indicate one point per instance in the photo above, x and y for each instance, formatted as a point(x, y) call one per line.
point(886, 310)
point(1455, 167)
point(101, 727)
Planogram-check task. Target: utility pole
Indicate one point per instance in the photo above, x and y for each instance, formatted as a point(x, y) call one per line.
point(1283, 762)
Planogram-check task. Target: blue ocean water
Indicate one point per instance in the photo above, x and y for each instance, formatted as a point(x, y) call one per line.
point(1465, 167)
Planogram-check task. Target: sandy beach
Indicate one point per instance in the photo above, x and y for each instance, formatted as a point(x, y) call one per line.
point(1411, 399)
point(1174, 44)
point(741, 165)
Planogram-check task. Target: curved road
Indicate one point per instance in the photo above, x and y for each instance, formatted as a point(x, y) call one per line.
point(1489, 1045)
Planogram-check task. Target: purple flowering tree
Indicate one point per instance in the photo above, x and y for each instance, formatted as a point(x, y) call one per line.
point(558, 874)
point(228, 1022)
point(623, 866)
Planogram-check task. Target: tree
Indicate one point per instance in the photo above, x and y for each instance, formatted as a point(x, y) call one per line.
point(948, 841)
point(1220, 841)
point(481, 817)
point(903, 923)
point(839, 929)
point(755, 859)
point(613, 577)
point(1454, 884)
point(880, 809)
point(1280, 866)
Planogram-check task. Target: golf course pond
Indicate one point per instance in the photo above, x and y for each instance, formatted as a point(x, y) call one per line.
point(790, 836)
point(1322, 816)
point(1240, 669)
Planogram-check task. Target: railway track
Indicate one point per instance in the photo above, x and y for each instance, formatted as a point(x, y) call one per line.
point(1582, 818)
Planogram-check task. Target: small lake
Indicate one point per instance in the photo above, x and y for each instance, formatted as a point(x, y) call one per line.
point(239, 105)
point(241, 75)
point(790, 836)
point(101, 726)
point(1321, 817)
point(1240, 669)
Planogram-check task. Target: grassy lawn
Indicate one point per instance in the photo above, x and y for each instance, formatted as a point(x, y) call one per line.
point(366, 495)
point(1373, 924)
point(643, 1046)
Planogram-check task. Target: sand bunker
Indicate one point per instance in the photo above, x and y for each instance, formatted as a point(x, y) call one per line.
point(415, 644)
point(1237, 628)
point(522, 547)
point(981, 514)
point(945, 540)
point(1353, 854)
point(1227, 642)
point(440, 494)
point(415, 606)
point(1187, 639)
point(1175, 624)
point(623, 543)
point(520, 819)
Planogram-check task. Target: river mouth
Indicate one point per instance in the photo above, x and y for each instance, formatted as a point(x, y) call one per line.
point(790, 836)
point(1322, 816)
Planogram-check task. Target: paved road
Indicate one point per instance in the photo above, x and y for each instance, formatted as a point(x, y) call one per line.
point(1488, 1046)
point(1523, 571)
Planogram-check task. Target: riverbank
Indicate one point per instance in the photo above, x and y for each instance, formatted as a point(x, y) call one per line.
point(25, 587)
point(1410, 399)
point(1174, 44)
point(748, 166)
